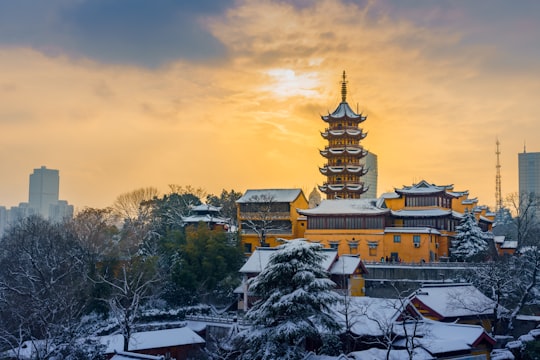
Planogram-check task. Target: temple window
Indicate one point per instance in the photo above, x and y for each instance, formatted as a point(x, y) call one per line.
point(372, 246)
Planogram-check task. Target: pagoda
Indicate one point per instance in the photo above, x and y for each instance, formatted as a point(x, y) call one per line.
point(343, 153)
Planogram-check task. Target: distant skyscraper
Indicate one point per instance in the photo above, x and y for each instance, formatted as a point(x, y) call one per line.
point(44, 188)
point(529, 173)
point(370, 179)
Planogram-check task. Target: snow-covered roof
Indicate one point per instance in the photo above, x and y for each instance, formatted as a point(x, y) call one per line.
point(345, 206)
point(377, 354)
point(260, 258)
point(499, 239)
point(115, 343)
point(205, 218)
point(151, 339)
point(412, 230)
point(125, 355)
point(442, 338)
point(273, 195)
point(206, 208)
point(367, 315)
point(426, 213)
point(345, 265)
point(454, 300)
point(423, 187)
point(509, 244)
point(342, 110)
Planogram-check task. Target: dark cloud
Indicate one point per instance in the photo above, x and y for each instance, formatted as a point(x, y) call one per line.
point(140, 32)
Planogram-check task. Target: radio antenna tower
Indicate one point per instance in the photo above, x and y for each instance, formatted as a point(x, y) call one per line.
point(498, 196)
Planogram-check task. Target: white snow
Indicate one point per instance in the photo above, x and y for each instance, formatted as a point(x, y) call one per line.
point(455, 300)
point(378, 354)
point(151, 339)
point(261, 256)
point(345, 206)
point(273, 195)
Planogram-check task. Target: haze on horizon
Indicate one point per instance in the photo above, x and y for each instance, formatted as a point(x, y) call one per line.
point(228, 94)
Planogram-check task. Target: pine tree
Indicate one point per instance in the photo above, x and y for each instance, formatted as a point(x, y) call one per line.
point(470, 242)
point(295, 295)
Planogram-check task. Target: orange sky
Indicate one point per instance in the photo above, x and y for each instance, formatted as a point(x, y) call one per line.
point(438, 84)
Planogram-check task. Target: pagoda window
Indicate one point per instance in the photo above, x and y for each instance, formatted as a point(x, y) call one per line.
point(334, 245)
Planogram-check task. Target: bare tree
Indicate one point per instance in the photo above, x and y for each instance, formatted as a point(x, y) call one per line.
point(131, 285)
point(127, 205)
point(262, 215)
point(95, 230)
point(526, 221)
point(188, 189)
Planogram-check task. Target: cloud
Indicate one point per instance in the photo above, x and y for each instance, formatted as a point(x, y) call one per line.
point(138, 32)
point(238, 105)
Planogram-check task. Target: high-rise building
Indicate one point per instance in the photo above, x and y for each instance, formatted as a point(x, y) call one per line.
point(44, 188)
point(370, 179)
point(529, 174)
point(344, 168)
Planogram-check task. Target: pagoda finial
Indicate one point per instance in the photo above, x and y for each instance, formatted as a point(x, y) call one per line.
point(344, 88)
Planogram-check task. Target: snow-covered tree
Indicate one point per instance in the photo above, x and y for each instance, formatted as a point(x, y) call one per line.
point(43, 287)
point(470, 243)
point(295, 297)
point(131, 283)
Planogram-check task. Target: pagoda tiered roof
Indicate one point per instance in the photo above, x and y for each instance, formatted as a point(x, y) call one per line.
point(349, 150)
point(344, 132)
point(343, 111)
point(344, 169)
point(349, 187)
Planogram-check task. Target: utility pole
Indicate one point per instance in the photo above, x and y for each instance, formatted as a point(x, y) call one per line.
point(498, 195)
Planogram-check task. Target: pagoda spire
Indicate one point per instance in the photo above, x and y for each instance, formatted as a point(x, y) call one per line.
point(344, 88)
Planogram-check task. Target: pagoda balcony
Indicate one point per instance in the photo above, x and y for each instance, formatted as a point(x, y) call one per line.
point(343, 150)
point(349, 187)
point(344, 169)
point(351, 132)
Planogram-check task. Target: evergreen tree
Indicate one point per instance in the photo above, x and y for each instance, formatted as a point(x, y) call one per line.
point(295, 295)
point(470, 243)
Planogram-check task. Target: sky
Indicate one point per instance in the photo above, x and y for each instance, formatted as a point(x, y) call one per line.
point(228, 94)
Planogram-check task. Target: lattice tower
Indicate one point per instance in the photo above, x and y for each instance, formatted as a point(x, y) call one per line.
point(498, 192)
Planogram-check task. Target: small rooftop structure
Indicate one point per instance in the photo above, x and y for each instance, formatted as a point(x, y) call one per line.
point(207, 214)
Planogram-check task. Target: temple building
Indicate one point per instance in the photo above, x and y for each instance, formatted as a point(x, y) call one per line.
point(412, 224)
point(344, 168)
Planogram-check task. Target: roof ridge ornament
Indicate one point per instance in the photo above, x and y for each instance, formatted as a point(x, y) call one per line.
point(344, 88)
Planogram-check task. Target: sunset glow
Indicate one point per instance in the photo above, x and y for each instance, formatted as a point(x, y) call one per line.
point(230, 96)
